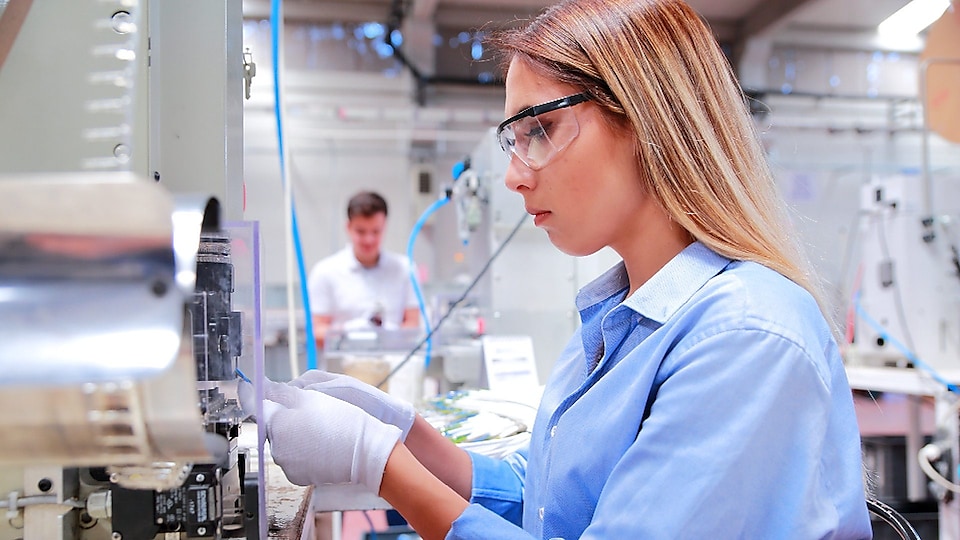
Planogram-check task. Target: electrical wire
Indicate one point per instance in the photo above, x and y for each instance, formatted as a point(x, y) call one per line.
point(413, 270)
point(373, 530)
point(294, 249)
point(463, 296)
point(849, 331)
point(897, 297)
point(853, 240)
point(892, 518)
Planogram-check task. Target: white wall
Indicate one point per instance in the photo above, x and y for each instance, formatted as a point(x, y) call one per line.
point(348, 127)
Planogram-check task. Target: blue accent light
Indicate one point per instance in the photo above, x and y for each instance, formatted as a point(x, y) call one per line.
point(373, 30)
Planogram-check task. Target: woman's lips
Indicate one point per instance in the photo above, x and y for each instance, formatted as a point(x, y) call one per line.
point(538, 215)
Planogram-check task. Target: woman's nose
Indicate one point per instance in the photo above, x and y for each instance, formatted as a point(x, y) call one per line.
point(518, 176)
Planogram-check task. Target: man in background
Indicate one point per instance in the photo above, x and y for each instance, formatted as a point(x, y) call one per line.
point(362, 286)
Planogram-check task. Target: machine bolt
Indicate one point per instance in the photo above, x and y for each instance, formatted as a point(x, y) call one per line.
point(116, 536)
point(202, 531)
point(200, 478)
point(159, 288)
point(122, 22)
point(45, 485)
point(122, 153)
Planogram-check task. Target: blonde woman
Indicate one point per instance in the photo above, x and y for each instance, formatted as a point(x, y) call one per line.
point(704, 395)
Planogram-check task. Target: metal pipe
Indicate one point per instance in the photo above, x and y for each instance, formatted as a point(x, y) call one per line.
point(22, 502)
point(925, 150)
point(395, 22)
point(925, 143)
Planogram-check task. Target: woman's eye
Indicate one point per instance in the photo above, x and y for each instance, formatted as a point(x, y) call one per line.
point(535, 132)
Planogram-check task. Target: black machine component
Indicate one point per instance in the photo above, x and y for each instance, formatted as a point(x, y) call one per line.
point(193, 508)
point(217, 335)
point(203, 507)
point(217, 500)
point(251, 500)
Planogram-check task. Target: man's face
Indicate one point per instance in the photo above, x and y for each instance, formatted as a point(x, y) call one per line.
point(366, 234)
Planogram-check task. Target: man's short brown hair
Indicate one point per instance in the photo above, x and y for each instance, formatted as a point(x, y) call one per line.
point(366, 204)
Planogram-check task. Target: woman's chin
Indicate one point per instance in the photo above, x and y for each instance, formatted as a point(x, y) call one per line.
point(571, 248)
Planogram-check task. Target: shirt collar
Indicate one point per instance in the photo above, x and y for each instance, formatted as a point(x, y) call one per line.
point(352, 263)
point(663, 294)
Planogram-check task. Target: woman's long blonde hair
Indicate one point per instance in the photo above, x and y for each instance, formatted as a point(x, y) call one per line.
point(654, 67)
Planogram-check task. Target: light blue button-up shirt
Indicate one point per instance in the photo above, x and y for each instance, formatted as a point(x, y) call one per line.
point(712, 403)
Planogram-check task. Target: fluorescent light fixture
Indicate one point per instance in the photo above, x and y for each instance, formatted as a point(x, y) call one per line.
point(912, 18)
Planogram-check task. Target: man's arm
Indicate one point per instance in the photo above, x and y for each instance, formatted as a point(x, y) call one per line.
point(411, 318)
point(321, 325)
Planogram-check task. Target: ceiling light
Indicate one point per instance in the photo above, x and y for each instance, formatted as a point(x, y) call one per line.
point(912, 18)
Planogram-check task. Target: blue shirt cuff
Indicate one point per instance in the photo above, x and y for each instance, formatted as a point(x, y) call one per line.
point(498, 485)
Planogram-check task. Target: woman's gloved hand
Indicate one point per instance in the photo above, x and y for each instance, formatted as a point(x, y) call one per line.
point(317, 439)
point(377, 403)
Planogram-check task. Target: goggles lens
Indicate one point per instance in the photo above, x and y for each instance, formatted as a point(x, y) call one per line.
point(537, 134)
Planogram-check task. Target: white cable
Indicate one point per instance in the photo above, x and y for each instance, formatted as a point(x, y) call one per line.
point(932, 452)
point(925, 457)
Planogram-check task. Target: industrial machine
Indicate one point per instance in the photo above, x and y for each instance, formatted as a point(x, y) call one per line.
point(122, 317)
point(119, 351)
point(909, 280)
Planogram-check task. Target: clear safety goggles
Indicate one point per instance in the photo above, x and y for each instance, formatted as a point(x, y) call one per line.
point(537, 134)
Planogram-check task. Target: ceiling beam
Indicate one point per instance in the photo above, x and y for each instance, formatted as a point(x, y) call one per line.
point(724, 30)
point(476, 16)
point(446, 16)
point(756, 28)
point(766, 16)
point(321, 10)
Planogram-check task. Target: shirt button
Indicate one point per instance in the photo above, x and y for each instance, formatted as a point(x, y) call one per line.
point(541, 513)
point(553, 431)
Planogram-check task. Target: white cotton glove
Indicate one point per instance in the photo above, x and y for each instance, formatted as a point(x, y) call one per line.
point(375, 402)
point(248, 402)
point(317, 439)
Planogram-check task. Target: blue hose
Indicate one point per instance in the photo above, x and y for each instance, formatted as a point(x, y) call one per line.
point(304, 292)
point(413, 273)
point(882, 332)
